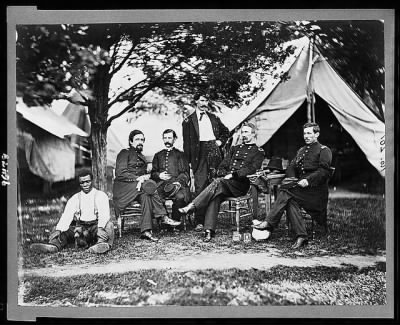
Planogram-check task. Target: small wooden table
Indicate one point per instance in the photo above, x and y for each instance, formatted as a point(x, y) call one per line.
point(268, 184)
point(273, 182)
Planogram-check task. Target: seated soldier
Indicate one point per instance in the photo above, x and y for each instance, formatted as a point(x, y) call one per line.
point(241, 161)
point(86, 219)
point(172, 174)
point(305, 185)
point(130, 185)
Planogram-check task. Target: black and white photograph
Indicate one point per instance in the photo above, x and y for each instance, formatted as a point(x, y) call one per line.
point(229, 161)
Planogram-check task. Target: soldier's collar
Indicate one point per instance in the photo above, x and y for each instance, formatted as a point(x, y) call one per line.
point(134, 149)
point(311, 144)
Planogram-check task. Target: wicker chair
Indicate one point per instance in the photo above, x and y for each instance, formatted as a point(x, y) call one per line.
point(236, 205)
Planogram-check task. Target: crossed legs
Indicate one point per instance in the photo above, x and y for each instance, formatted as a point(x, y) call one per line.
point(286, 202)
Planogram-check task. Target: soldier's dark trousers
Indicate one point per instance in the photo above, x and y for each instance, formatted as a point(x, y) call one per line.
point(67, 237)
point(201, 180)
point(151, 205)
point(178, 202)
point(210, 200)
point(286, 202)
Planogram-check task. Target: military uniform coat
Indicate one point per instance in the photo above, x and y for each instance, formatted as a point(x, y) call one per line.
point(312, 162)
point(191, 142)
point(241, 160)
point(130, 165)
point(174, 163)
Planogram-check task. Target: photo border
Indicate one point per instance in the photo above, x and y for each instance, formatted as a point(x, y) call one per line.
point(31, 15)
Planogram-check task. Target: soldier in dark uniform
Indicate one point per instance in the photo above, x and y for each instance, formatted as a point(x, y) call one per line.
point(203, 137)
point(130, 174)
point(171, 168)
point(305, 185)
point(241, 161)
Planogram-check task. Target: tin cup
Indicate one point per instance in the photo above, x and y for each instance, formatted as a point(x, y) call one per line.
point(247, 237)
point(236, 236)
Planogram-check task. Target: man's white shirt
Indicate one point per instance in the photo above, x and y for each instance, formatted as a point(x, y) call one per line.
point(205, 127)
point(87, 208)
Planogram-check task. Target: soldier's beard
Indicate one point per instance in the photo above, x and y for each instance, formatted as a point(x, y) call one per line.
point(168, 145)
point(248, 140)
point(139, 148)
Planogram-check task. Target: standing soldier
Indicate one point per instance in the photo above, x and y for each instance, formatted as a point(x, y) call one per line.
point(203, 136)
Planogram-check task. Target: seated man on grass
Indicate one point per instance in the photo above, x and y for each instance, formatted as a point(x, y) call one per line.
point(85, 221)
point(305, 185)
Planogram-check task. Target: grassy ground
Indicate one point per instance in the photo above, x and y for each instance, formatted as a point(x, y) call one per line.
point(356, 226)
point(278, 286)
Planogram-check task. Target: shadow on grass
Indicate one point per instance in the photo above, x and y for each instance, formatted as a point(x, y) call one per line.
point(280, 285)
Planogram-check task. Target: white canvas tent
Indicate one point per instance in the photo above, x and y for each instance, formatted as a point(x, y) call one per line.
point(77, 114)
point(152, 124)
point(48, 153)
point(310, 72)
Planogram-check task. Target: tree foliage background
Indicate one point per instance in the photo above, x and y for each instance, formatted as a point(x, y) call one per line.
point(356, 50)
point(178, 60)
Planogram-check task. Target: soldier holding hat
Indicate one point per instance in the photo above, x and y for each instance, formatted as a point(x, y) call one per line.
point(305, 185)
point(132, 183)
point(171, 172)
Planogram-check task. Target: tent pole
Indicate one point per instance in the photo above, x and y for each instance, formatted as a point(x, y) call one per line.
point(309, 93)
point(312, 107)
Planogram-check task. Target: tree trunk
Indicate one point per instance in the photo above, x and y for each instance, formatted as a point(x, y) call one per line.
point(98, 118)
point(99, 157)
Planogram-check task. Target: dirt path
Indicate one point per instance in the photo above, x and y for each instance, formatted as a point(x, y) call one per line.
point(262, 261)
point(345, 194)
